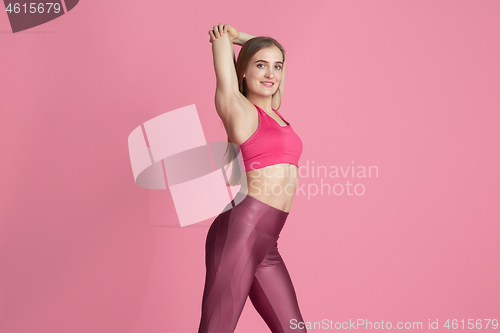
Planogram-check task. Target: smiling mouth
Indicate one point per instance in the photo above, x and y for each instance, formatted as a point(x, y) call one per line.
point(267, 84)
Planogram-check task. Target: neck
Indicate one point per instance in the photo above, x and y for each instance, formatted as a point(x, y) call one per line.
point(263, 102)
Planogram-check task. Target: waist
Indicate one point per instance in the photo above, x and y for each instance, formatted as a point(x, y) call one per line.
point(257, 214)
point(274, 185)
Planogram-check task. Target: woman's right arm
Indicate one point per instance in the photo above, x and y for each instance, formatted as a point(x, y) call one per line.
point(227, 93)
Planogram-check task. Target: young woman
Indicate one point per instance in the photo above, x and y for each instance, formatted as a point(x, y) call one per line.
point(242, 257)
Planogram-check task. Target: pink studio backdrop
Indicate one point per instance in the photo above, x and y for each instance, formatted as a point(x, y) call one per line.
point(410, 87)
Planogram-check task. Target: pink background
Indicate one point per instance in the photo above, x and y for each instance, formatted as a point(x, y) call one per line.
point(408, 86)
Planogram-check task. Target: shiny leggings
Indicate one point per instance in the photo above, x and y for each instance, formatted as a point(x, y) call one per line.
point(242, 259)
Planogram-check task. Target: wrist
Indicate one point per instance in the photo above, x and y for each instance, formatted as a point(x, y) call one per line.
point(243, 38)
point(238, 41)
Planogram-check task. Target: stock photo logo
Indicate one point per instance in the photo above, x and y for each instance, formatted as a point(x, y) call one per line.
point(26, 15)
point(170, 150)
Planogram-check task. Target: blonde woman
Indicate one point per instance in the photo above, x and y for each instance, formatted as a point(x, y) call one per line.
point(242, 258)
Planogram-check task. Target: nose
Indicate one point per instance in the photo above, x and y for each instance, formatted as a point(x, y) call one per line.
point(270, 73)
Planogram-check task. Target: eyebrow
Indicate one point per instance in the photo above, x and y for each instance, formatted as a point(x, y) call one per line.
point(280, 62)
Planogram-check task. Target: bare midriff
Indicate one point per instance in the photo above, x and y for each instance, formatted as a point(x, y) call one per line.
point(274, 185)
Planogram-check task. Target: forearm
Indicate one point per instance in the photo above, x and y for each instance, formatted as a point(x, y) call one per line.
point(224, 69)
point(243, 38)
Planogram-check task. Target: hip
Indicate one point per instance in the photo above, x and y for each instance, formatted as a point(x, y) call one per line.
point(247, 211)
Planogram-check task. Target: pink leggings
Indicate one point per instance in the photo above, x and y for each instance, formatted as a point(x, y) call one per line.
point(242, 259)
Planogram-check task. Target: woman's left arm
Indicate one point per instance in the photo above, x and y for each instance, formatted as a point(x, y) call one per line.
point(243, 38)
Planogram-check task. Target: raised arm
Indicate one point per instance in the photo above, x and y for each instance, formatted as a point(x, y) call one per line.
point(224, 63)
point(242, 38)
point(228, 99)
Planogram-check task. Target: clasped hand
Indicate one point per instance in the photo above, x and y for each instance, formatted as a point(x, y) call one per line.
point(221, 29)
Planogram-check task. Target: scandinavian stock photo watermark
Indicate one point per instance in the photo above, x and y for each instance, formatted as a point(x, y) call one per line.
point(24, 15)
point(431, 324)
point(313, 180)
point(163, 155)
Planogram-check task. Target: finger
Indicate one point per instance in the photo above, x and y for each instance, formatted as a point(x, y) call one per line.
point(216, 31)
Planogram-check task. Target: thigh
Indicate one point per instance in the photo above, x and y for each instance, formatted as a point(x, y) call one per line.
point(273, 295)
point(234, 250)
point(232, 244)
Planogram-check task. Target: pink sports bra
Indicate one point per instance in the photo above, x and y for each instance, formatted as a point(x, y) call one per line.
point(271, 144)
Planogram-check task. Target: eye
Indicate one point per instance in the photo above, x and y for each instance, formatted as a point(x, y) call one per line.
point(259, 65)
point(278, 66)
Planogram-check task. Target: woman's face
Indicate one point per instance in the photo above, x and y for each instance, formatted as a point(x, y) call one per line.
point(265, 66)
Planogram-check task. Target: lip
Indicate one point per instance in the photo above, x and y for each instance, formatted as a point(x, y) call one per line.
point(272, 84)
